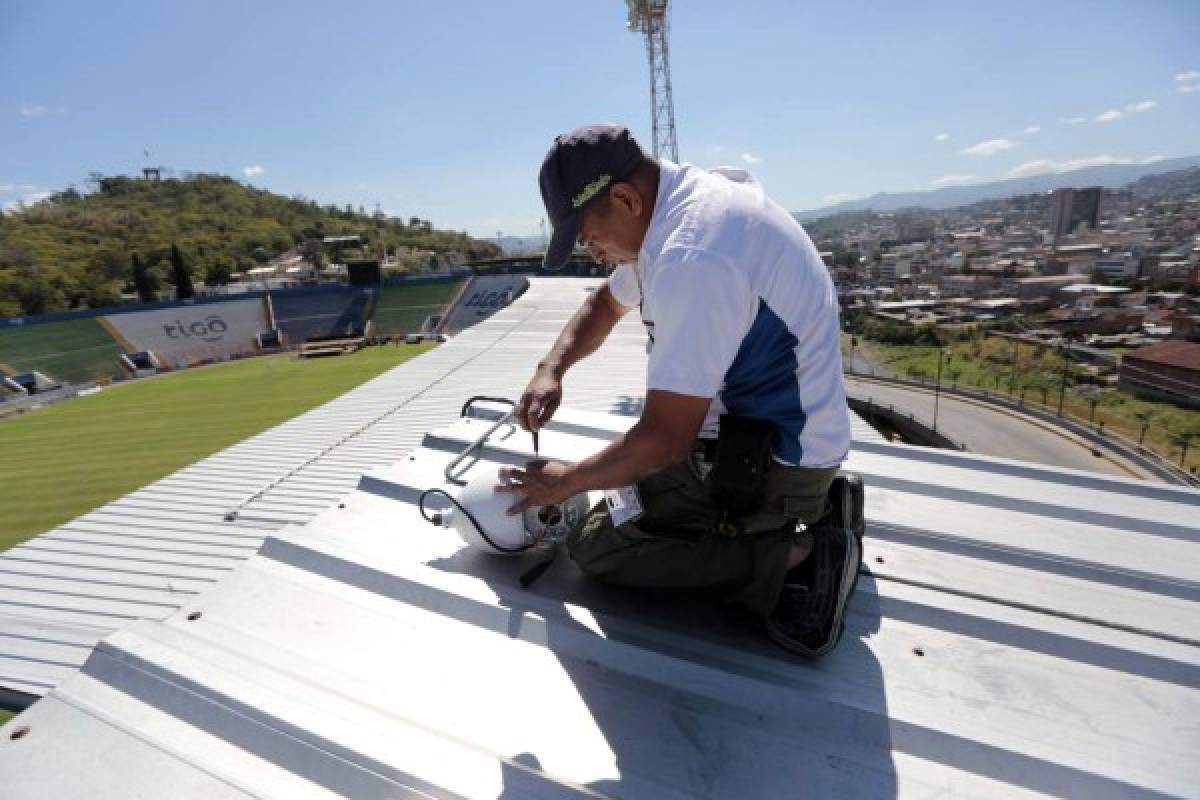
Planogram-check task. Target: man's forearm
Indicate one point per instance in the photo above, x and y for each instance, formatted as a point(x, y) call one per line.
point(584, 332)
point(638, 454)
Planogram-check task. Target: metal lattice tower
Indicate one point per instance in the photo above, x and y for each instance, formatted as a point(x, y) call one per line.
point(649, 17)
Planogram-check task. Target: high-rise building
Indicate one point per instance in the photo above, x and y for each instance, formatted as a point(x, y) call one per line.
point(1069, 208)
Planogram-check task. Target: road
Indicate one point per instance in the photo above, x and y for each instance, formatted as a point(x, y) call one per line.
point(993, 432)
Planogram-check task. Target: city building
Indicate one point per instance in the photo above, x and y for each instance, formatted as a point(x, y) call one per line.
point(967, 285)
point(1166, 371)
point(1041, 285)
point(1117, 265)
point(1070, 208)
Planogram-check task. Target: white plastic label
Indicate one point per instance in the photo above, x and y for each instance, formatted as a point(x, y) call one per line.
point(624, 504)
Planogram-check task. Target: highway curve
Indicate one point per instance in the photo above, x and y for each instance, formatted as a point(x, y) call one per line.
point(987, 430)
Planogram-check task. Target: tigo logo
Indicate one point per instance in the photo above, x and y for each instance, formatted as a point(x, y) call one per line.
point(210, 329)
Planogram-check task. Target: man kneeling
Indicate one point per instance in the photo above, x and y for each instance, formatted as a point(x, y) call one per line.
point(745, 422)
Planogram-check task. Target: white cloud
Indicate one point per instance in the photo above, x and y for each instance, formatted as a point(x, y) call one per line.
point(941, 137)
point(988, 148)
point(253, 171)
point(1154, 159)
point(1075, 120)
point(26, 201)
point(30, 110)
point(952, 180)
point(1038, 167)
point(751, 159)
point(839, 197)
point(1188, 77)
point(1112, 115)
point(1032, 129)
point(717, 148)
point(1188, 89)
point(1044, 165)
point(17, 187)
point(1092, 161)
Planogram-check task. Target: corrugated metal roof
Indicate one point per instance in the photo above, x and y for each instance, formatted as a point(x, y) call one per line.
point(1026, 630)
point(145, 554)
point(1023, 631)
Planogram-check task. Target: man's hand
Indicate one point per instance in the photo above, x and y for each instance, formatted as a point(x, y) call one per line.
point(540, 400)
point(541, 483)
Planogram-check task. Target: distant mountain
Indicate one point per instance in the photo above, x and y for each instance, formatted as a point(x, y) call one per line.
point(1168, 186)
point(521, 245)
point(1113, 177)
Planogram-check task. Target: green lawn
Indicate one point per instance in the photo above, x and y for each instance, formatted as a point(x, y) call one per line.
point(67, 459)
point(75, 351)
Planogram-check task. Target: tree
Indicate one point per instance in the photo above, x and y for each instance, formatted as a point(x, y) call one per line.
point(218, 271)
point(1182, 440)
point(1143, 417)
point(181, 275)
point(143, 281)
point(313, 253)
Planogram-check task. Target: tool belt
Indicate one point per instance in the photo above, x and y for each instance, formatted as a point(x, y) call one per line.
point(738, 480)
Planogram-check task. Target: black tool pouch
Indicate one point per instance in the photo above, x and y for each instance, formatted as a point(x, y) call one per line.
point(739, 474)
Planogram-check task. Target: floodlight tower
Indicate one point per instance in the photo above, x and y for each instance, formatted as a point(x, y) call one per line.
point(649, 17)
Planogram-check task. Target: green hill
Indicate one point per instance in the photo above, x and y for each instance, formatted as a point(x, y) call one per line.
point(73, 249)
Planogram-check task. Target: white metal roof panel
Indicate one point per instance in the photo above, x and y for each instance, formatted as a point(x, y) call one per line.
point(174, 529)
point(367, 653)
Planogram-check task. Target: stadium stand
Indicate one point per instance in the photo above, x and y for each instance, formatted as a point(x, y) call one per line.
point(404, 309)
point(301, 316)
point(72, 351)
point(185, 336)
point(482, 296)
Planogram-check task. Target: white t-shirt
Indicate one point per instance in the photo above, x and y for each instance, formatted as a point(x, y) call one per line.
point(739, 307)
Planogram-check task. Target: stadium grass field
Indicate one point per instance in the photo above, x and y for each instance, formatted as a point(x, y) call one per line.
point(64, 460)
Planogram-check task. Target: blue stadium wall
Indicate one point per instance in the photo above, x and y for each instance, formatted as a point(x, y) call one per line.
point(343, 311)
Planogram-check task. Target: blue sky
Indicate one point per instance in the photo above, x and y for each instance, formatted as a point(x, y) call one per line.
point(444, 110)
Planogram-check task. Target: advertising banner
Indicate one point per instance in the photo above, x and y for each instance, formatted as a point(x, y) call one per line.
point(482, 297)
point(185, 334)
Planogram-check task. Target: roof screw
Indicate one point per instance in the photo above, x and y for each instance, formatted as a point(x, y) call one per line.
point(341, 505)
point(878, 559)
point(192, 617)
point(918, 651)
point(19, 733)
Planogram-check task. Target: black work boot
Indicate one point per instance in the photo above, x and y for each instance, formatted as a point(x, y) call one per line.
point(810, 615)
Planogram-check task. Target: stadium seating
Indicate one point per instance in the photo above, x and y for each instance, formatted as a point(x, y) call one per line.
point(483, 296)
point(303, 316)
point(403, 309)
point(74, 351)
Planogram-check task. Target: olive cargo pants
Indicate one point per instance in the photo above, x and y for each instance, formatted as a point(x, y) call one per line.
point(674, 544)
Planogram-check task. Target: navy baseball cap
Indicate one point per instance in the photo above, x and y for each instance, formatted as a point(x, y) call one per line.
point(579, 168)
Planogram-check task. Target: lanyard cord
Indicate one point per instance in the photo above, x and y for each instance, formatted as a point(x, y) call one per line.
point(637, 274)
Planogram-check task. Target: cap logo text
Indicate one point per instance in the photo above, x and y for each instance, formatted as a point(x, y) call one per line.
point(591, 190)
